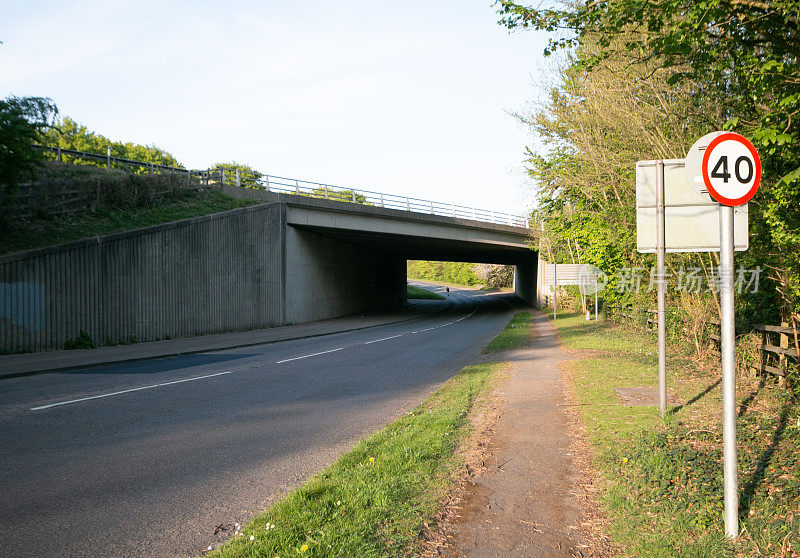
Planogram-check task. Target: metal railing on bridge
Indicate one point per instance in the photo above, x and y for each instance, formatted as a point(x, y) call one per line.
point(233, 176)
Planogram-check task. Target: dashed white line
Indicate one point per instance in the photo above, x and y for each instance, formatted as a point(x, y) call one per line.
point(311, 355)
point(113, 393)
point(384, 339)
point(195, 378)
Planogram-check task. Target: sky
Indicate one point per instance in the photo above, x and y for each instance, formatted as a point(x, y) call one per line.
point(409, 98)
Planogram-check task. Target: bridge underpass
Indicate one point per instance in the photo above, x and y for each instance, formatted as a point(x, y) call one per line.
point(290, 260)
point(343, 257)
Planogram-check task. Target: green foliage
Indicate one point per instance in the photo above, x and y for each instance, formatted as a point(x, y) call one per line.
point(418, 293)
point(737, 61)
point(663, 480)
point(69, 134)
point(460, 273)
point(26, 235)
point(248, 176)
point(339, 195)
point(22, 123)
point(516, 335)
point(82, 341)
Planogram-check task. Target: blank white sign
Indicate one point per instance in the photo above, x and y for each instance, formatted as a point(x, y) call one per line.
point(691, 221)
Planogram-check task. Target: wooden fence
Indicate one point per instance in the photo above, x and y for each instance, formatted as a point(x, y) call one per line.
point(774, 359)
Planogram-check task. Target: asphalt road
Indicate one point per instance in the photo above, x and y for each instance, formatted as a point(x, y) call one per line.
point(147, 458)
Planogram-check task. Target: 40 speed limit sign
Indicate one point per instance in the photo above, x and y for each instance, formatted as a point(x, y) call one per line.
point(731, 169)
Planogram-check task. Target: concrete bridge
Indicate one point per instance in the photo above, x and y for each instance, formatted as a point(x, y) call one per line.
point(292, 259)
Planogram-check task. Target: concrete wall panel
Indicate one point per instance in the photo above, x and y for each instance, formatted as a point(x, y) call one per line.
point(205, 275)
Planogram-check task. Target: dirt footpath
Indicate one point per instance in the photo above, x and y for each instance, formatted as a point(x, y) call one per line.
point(525, 500)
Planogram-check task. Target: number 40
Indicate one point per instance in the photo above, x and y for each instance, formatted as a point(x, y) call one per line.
point(721, 169)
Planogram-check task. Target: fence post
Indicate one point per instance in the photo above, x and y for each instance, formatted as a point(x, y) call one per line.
point(408, 205)
point(453, 209)
point(296, 188)
point(188, 178)
point(381, 200)
point(492, 214)
point(222, 176)
point(431, 208)
point(151, 168)
point(59, 154)
point(784, 344)
point(474, 218)
point(267, 183)
point(353, 195)
point(238, 181)
point(108, 157)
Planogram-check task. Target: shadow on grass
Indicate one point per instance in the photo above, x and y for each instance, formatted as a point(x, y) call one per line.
point(749, 399)
point(748, 493)
point(696, 398)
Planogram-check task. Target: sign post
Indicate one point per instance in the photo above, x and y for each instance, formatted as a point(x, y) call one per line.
point(661, 288)
point(555, 291)
point(731, 171)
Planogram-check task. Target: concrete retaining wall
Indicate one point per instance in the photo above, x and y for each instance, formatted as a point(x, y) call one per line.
point(205, 275)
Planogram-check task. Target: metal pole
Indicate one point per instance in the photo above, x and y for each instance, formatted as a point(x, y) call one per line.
point(408, 205)
point(431, 207)
point(326, 193)
point(108, 157)
point(353, 192)
point(660, 282)
point(238, 180)
point(555, 291)
point(595, 298)
point(266, 178)
point(297, 187)
point(727, 348)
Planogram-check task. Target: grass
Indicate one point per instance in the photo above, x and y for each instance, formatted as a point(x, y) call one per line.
point(663, 479)
point(516, 335)
point(418, 293)
point(376, 499)
point(43, 232)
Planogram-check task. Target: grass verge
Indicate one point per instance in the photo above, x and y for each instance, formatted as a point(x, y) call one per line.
point(663, 479)
point(46, 232)
point(418, 293)
point(377, 499)
point(516, 335)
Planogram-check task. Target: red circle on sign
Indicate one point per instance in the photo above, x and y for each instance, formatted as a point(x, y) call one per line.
point(731, 136)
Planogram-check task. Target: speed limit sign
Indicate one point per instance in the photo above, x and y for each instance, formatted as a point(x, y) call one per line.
point(731, 169)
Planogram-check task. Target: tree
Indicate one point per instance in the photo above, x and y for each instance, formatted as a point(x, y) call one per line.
point(22, 123)
point(737, 59)
point(248, 176)
point(69, 134)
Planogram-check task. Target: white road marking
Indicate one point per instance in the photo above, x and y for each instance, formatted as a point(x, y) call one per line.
point(384, 339)
point(194, 378)
point(311, 355)
point(113, 393)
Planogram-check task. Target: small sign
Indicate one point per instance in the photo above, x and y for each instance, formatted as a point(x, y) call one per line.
point(731, 169)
